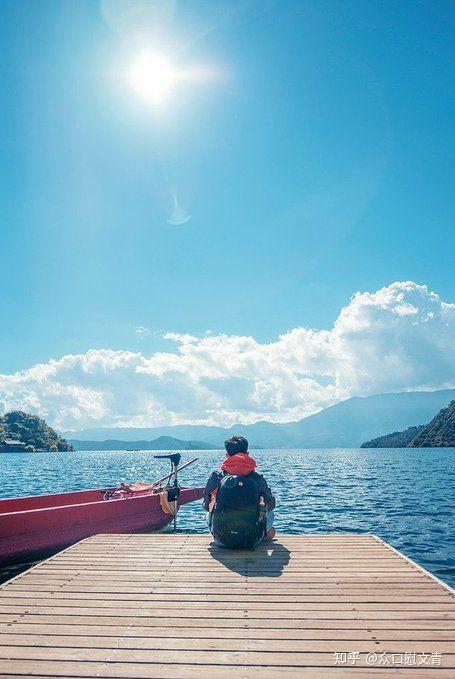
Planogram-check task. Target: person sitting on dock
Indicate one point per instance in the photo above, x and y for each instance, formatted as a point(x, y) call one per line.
point(238, 500)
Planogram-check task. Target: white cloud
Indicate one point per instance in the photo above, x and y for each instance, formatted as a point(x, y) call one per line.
point(143, 332)
point(398, 338)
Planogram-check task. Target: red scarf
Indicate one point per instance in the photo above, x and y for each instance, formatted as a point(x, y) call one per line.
point(241, 464)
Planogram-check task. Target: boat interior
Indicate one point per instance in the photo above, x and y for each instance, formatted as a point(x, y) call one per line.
point(22, 504)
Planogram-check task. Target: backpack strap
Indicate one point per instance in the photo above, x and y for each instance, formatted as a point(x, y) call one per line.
point(213, 493)
point(212, 500)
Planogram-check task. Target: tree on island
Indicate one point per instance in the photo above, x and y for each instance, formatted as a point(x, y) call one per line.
point(33, 431)
point(439, 433)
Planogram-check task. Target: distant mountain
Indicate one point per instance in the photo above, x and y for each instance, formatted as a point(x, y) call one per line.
point(160, 443)
point(31, 430)
point(347, 424)
point(266, 433)
point(350, 423)
point(398, 439)
point(440, 432)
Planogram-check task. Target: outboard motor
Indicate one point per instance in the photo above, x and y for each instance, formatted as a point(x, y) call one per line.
point(173, 489)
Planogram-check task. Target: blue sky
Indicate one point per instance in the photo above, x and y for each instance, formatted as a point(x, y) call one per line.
point(317, 162)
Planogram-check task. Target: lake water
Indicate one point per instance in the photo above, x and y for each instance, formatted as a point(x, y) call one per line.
point(406, 496)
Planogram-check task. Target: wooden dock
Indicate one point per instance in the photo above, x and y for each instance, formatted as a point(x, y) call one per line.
point(175, 606)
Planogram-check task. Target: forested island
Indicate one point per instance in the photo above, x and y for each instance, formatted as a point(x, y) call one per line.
point(21, 431)
point(439, 433)
point(397, 439)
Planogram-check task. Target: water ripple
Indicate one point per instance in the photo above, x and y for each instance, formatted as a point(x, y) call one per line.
point(404, 496)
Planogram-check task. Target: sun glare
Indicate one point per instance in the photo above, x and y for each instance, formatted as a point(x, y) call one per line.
point(153, 77)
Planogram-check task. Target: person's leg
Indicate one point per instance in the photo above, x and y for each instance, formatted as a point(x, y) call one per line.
point(269, 519)
point(208, 518)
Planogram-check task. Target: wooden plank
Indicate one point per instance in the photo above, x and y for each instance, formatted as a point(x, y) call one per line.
point(75, 577)
point(175, 606)
point(128, 591)
point(87, 606)
point(207, 647)
point(212, 611)
point(209, 644)
point(262, 603)
point(120, 631)
point(306, 622)
point(222, 586)
point(186, 657)
point(69, 670)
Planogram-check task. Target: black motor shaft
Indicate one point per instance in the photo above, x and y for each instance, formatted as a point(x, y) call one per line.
point(173, 491)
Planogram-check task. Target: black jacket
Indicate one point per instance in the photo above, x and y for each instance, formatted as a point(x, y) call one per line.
point(264, 490)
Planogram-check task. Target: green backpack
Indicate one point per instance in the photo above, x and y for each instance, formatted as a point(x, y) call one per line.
point(236, 520)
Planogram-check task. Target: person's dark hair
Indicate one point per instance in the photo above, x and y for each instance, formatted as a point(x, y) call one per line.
point(236, 444)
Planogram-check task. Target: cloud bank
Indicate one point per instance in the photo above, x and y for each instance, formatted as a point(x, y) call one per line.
point(401, 337)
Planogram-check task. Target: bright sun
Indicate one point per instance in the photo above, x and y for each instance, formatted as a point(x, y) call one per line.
point(153, 77)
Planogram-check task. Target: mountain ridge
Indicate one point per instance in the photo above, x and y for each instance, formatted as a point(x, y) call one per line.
point(160, 443)
point(347, 424)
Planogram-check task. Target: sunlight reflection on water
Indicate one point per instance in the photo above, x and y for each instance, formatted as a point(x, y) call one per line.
point(405, 496)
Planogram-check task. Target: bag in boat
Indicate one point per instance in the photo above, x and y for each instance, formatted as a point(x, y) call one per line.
point(236, 520)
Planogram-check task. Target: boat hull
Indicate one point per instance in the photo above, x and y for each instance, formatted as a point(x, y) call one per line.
point(33, 527)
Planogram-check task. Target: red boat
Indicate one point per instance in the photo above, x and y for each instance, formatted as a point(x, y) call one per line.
point(33, 527)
